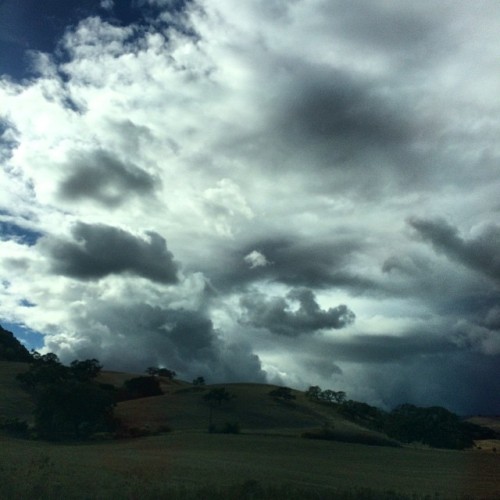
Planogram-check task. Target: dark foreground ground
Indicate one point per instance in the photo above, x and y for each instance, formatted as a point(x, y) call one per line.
point(200, 465)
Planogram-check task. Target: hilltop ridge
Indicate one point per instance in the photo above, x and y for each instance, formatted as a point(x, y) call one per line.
point(11, 349)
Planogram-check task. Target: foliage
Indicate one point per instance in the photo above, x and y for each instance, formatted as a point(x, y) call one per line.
point(44, 369)
point(142, 387)
point(85, 370)
point(282, 393)
point(68, 404)
point(199, 381)
point(327, 396)
point(161, 372)
point(72, 409)
point(217, 396)
point(364, 414)
point(434, 426)
point(11, 349)
point(328, 433)
point(14, 427)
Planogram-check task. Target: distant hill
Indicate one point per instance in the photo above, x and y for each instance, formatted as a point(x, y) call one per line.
point(11, 349)
point(252, 409)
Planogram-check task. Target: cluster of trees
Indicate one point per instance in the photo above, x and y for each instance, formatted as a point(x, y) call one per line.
point(69, 404)
point(161, 372)
point(434, 426)
point(327, 396)
point(282, 394)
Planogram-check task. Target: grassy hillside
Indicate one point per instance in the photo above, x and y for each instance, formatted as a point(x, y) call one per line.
point(252, 408)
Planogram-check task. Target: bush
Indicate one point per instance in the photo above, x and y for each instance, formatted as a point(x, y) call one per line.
point(72, 409)
point(15, 427)
point(330, 434)
point(142, 387)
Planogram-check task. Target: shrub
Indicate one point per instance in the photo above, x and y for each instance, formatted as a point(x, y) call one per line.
point(15, 427)
point(142, 387)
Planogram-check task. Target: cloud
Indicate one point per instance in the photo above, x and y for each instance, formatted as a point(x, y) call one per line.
point(100, 177)
point(99, 251)
point(256, 259)
point(480, 253)
point(136, 336)
point(107, 4)
point(278, 146)
point(275, 314)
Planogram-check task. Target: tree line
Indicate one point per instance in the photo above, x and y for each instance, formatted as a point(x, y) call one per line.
point(434, 426)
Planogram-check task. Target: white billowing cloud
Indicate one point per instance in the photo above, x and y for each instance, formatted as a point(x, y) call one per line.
point(298, 134)
point(256, 259)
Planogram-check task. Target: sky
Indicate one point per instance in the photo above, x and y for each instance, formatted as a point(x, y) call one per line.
point(300, 192)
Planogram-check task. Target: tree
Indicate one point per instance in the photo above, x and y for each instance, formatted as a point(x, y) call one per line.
point(215, 397)
point(283, 393)
point(72, 409)
point(313, 392)
point(161, 372)
point(199, 381)
point(44, 369)
point(85, 370)
point(142, 387)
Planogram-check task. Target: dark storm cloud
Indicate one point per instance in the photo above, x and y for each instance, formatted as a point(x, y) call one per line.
point(140, 335)
point(424, 367)
point(350, 125)
point(100, 250)
point(275, 314)
point(389, 348)
point(464, 382)
point(295, 262)
point(479, 254)
point(101, 177)
point(334, 106)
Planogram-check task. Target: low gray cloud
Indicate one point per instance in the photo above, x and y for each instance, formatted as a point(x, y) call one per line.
point(101, 177)
point(100, 250)
point(295, 262)
point(380, 349)
point(275, 314)
point(480, 253)
point(134, 336)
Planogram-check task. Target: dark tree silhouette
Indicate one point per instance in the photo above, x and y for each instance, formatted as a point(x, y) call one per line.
point(85, 370)
point(199, 381)
point(72, 409)
point(283, 393)
point(142, 387)
point(215, 397)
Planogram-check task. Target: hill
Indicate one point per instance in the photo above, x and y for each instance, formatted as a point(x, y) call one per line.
point(252, 409)
point(182, 408)
point(257, 409)
point(11, 349)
